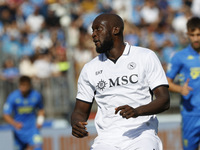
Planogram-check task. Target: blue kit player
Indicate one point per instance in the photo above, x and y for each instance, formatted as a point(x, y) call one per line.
point(186, 64)
point(24, 111)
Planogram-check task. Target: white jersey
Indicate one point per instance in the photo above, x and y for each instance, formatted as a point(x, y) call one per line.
point(126, 82)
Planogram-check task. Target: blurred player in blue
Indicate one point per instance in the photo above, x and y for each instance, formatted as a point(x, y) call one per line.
point(24, 111)
point(186, 64)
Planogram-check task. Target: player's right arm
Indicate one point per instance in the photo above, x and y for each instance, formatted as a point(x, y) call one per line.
point(7, 111)
point(11, 121)
point(183, 90)
point(79, 118)
point(174, 68)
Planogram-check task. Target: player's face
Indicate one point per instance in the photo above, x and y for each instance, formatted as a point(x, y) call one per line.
point(25, 87)
point(194, 37)
point(102, 36)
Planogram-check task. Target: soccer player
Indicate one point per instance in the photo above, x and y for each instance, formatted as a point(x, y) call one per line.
point(186, 64)
point(26, 105)
point(122, 80)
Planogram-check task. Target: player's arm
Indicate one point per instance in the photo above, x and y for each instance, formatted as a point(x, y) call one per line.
point(40, 118)
point(158, 105)
point(7, 111)
point(183, 90)
point(12, 122)
point(79, 118)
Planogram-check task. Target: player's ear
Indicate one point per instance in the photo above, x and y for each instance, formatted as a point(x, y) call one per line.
point(116, 30)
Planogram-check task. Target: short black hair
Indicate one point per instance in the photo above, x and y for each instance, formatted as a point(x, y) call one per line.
point(24, 78)
point(113, 19)
point(193, 23)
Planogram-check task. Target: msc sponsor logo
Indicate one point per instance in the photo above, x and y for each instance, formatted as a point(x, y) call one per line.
point(123, 80)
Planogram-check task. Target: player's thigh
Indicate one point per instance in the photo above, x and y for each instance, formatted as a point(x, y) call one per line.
point(147, 141)
point(190, 132)
point(147, 144)
point(35, 141)
point(18, 143)
point(103, 147)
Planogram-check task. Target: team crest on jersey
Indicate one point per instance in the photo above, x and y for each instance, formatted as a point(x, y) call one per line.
point(131, 66)
point(101, 85)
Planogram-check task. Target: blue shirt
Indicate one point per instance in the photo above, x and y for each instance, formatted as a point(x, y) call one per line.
point(10, 73)
point(186, 64)
point(24, 108)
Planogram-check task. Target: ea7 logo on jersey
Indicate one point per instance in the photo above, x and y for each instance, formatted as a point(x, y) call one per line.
point(98, 72)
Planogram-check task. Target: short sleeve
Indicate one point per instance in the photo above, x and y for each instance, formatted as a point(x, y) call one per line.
point(154, 71)
point(174, 66)
point(85, 89)
point(8, 106)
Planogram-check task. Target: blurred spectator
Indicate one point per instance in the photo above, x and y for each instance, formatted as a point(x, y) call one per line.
point(105, 7)
point(26, 67)
point(159, 35)
point(38, 3)
point(10, 42)
point(168, 52)
point(82, 55)
point(175, 5)
point(35, 21)
point(26, 48)
point(61, 60)
point(42, 42)
point(43, 66)
point(88, 5)
point(9, 71)
point(136, 7)
point(131, 33)
point(195, 8)
point(27, 8)
point(51, 19)
point(179, 21)
point(5, 16)
point(74, 33)
point(20, 20)
point(123, 8)
point(150, 12)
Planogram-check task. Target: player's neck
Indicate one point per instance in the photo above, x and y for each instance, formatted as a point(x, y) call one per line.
point(115, 52)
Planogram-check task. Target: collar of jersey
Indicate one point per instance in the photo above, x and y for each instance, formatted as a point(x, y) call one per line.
point(126, 51)
point(192, 50)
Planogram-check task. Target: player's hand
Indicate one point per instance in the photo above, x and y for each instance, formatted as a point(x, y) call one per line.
point(39, 126)
point(17, 125)
point(79, 129)
point(126, 111)
point(185, 88)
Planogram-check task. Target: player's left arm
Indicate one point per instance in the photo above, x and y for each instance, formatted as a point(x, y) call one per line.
point(40, 112)
point(158, 105)
point(40, 118)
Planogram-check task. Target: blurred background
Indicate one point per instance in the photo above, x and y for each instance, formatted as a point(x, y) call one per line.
point(50, 41)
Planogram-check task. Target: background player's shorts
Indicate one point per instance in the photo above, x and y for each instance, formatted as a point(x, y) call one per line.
point(148, 140)
point(33, 139)
point(190, 132)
